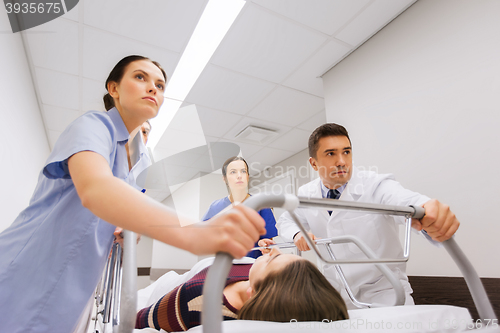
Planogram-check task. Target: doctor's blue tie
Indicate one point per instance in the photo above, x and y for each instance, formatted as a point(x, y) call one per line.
point(332, 194)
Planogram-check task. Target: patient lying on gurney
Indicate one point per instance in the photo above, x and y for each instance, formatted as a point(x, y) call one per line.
point(277, 287)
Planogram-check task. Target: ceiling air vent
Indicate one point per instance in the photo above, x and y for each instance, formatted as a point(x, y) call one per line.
point(256, 134)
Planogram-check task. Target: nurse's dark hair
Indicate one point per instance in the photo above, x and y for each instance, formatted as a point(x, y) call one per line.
point(117, 72)
point(298, 291)
point(325, 130)
point(225, 165)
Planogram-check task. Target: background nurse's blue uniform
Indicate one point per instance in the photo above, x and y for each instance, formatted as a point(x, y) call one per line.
point(266, 214)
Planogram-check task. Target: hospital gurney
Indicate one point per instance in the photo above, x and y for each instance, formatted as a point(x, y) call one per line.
point(119, 283)
point(214, 284)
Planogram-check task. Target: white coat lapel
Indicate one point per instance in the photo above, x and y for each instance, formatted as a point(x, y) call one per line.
point(352, 191)
point(315, 192)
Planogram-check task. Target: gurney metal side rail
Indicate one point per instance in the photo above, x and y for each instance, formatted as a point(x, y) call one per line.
point(400, 295)
point(108, 292)
point(211, 315)
point(128, 296)
point(476, 288)
point(117, 295)
point(217, 274)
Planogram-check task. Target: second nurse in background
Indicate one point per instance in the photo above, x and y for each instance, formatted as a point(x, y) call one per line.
point(235, 175)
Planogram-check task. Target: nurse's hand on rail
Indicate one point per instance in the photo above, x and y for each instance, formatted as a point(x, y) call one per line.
point(119, 236)
point(265, 242)
point(300, 241)
point(439, 221)
point(234, 232)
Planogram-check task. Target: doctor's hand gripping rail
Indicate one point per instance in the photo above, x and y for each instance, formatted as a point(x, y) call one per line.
point(218, 272)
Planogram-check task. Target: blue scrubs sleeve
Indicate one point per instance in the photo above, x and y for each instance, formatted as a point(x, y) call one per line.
point(268, 216)
point(215, 208)
point(271, 231)
point(209, 213)
point(90, 132)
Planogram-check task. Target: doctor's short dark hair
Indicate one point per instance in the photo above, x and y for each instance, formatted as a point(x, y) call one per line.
point(325, 130)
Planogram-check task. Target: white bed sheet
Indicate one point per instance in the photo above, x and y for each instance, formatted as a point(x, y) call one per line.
point(416, 318)
point(408, 319)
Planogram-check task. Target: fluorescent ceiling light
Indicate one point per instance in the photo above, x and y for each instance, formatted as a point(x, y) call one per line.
point(213, 25)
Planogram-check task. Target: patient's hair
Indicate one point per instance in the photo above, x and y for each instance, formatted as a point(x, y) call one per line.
point(298, 291)
point(116, 75)
point(325, 130)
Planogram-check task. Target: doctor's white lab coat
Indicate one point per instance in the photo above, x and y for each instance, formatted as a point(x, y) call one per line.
point(379, 232)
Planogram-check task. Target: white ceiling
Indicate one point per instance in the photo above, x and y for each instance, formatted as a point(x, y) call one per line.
point(266, 71)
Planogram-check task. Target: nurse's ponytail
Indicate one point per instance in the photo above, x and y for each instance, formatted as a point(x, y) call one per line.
point(109, 102)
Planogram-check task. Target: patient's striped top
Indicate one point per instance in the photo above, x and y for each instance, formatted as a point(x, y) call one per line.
point(180, 309)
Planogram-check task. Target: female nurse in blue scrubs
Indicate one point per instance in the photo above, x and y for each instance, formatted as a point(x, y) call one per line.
point(53, 255)
point(235, 175)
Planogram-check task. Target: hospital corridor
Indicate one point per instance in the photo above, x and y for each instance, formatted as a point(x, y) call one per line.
point(323, 165)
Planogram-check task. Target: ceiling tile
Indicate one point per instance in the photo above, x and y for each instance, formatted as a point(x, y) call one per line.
point(246, 149)
point(183, 159)
point(173, 172)
point(161, 153)
point(266, 46)
point(183, 133)
point(57, 119)
point(158, 195)
point(101, 52)
point(92, 94)
point(294, 141)
point(267, 157)
point(327, 16)
point(287, 106)
point(245, 121)
point(307, 77)
point(166, 23)
point(371, 20)
point(168, 167)
point(216, 123)
point(211, 138)
point(222, 89)
point(58, 89)
point(73, 14)
point(279, 41)
point(187, 175)
point(5, 27)
point(177, 140)
point(187, 119)
point(55, 46)
point(314, 122)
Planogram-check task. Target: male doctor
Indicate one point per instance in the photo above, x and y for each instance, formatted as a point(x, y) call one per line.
point(330, 154)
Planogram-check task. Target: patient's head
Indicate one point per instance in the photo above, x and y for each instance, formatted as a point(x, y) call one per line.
point(286, 287)
point(270, 262)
